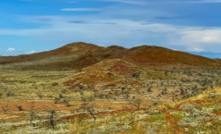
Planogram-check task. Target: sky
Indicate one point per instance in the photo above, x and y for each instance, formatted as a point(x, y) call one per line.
point(30, 26)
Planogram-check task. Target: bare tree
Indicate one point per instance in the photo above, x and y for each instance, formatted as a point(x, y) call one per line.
point(51, 118)
point(19, 107)
point(33, 115)
point(136, 103)
point(4, 109)
point(90, 108)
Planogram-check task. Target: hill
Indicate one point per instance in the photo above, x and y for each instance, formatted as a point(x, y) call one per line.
point(154, 55)
point(113, 72)
point(69, 49)
point(79, 55)
point(91, 57)
point(144, 56)
point(106, 71)
point(72, 48)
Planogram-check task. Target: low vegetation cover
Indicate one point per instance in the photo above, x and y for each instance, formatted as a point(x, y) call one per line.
point(112, 96)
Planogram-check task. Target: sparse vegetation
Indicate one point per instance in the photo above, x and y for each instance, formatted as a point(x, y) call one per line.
point(112, 96)
point(19, 107)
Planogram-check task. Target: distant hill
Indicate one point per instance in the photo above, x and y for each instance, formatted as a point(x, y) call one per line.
point(91, 57)
point(86, 54)
point(146, 55)
point(69, 49)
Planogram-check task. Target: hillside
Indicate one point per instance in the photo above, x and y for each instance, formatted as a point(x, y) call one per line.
point(109, 51)
point(69, 49)
point(107, 71)
point(73, 48)
point(114, 72)
point(92, 57)
point(127, 97)
point(80, 55)
point(143, 56)
point(149, 55)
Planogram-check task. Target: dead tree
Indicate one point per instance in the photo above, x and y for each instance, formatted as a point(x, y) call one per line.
point(89, 107)
point(4, 109)
point(33, 115)
point(51, 118)
point(136, 103)
point(19, 107)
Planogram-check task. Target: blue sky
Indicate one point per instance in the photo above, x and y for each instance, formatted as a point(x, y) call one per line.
point(28, 26)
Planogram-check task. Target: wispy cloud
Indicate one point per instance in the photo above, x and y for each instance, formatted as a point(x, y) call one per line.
point(31, 52)
point(198, 50)
point(82, 9)
point(10, 49)
point(76, 21)
point(123, 32)
point(127, 26)
point(202, 36)
point(176, 50)
point(42, 19)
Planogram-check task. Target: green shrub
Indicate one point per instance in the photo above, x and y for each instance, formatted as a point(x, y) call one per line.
point(61, 96)
point(55, 84)
point(56, 100)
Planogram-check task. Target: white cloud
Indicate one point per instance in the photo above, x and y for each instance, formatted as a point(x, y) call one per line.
point(198, 50)
point(97, 31)
point(31, 52)
point(82, 9)
point(176, 50)
point(124, 32)
point(202, 36)
point(10, 49)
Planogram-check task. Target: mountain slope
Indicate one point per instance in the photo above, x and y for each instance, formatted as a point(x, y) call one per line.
point(92, 57)
point(146, 55)
point(73, 48)
point(82, 55)
point(105, 72)
point(69, 49)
